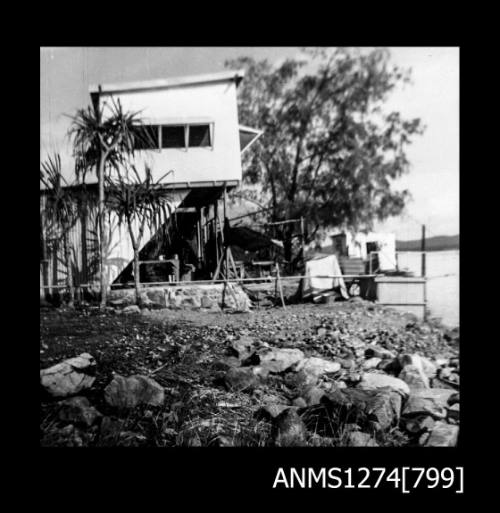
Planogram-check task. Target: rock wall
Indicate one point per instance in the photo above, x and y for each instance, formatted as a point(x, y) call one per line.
point(190, 296)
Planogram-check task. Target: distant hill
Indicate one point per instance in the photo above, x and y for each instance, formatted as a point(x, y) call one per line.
point(439, 243)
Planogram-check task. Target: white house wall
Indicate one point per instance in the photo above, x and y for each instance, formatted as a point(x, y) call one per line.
point(387, 253)
point(85, 260)
point(212, 102)
point(119, 251)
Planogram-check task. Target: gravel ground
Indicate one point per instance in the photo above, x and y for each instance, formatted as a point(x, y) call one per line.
point(186, 351)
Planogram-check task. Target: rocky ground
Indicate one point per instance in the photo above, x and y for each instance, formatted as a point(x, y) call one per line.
point(342, 374)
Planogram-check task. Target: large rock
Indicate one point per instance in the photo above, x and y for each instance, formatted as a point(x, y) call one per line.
point(373, 381)
point(279, 360)
point(156, 297)
point(318, 366)
point(239, 379)
point(445, 372)
point(420, 423)
point(132, 391)
point(289, 429)
point(242, 348)
point(359, 439)
point(376, 408)
point(312, 395)
point(379, 352)
point(300, 381)
point(270, 411)
point(431, 401)
point(390, 366)
point(70, 376)
point(132, 309)
point(414, 377)
point(206, 302)
point(120, 301)
point(371, 363)
point(299, 402)
point(78, 410)
point(421, 404)
point(428, 367)
point(424, 365)
point(443, 435)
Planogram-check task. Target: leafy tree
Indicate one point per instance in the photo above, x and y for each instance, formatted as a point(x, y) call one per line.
point(138, 203)
point(105, 137)
point(328, 152)
point(63, 206)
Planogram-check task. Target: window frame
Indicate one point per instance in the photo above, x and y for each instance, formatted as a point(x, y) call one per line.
point(210, 134)
point(150, 125)
point(186, 125)
point(183, 125)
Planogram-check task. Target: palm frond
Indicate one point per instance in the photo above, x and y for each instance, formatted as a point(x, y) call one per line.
point(106, 129)
point(135, 198)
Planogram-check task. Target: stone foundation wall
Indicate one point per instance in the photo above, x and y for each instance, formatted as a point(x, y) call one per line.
point(190, 296)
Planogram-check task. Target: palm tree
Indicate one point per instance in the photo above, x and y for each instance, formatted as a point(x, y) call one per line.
point(104, 137)
point(138, 202)
point(61, 209)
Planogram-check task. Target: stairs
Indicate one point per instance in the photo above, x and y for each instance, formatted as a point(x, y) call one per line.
point(352, 265)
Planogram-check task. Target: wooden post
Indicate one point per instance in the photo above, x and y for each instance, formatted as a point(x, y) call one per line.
point(422, 248)
point(226, 266)
point(101, 235)
point(205, 225)
point(215, 231)
point(177, 270)
point(198, 235)
point(85, 273)
point(302, 240)
point(424, 270)
point(279, 285)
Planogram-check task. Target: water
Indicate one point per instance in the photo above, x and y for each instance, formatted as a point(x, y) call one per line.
point(443, 282)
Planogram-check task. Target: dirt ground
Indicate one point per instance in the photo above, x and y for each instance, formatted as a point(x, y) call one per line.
point(185, 352)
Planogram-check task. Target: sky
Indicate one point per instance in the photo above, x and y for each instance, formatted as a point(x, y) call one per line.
point(433, 96)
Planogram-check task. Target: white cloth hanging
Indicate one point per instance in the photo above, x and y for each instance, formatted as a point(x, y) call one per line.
point(327, 265)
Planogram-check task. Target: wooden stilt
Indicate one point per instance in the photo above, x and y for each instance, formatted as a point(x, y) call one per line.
point(216, 215)
point(217, 270)
point(230, 253)
point(198, 236)
point(279, 285)
point(226, 266)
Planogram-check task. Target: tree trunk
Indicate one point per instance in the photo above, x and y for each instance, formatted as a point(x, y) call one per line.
point(137, 277)
point(69, 271)
point(102, 269)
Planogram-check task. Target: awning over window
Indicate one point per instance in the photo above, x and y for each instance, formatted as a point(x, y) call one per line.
point(248, 136)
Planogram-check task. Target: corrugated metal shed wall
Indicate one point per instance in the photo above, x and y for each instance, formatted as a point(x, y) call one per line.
point(84, 246)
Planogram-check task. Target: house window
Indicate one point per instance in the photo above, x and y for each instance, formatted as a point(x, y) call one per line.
point(173, 136)
point(199, 135)
point(146, 137)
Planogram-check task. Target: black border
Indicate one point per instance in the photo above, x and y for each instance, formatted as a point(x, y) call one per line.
point(213, 474)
